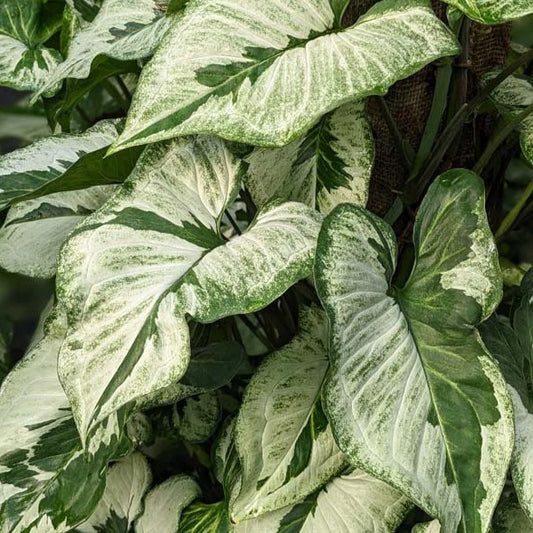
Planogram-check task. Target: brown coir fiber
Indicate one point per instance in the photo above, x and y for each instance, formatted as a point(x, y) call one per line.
point(410, 100)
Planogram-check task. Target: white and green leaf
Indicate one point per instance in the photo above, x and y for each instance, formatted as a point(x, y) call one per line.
point(511, 343)
point(413, 397)
point(282, 437)
point(512, 97)
point(41, 460)
point(164, 505)
point(331, 164)
point(61, 163)
point(247, 77)
point(348, 503)
point(34, 230)
point(194, 419)
point(122, 30)
point(427, 527)
point(85, 10)
point(493, 11)
point(25, 63)
point(152, 254)
point(510, 517)
point(121, 503)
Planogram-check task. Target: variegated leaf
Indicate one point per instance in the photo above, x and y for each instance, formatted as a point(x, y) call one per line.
point(25, 63)
point(263, 73)
point(202, 518)
point(331, 164)
point(126, 483)
point(493, 11)
point(414, 397)
point(41, 461)
point(122, 29)
point(195, 419)
point(348, 503)
point(513, 348)
point(34, 230)
point(282, 436)
point(512, 96)
point(133, 270)
point(427, 527)
point(164, 504)
point(510, 518)
point(61, 163)
point(353, 502)
point(85, 10)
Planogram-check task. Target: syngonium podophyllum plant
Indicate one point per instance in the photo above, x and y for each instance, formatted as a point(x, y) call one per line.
point(235, 343)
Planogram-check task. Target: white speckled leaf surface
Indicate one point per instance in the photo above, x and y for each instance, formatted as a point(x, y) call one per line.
point(422, 343)
point(130, 273)
point(164, 504)
point(41, 461)
point(265, 72)
point(122, 29)
point(493, 11)
point(127, 481)
point(25, 25)
point(512, 96)
point(331, 164)
point(61, 162)
point(34, 230)
point(282, 436)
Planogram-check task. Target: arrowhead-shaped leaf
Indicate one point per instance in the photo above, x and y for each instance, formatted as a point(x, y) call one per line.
point(331, 164)
point(164, 504)
point(41, 460)
point(247, 77)
point(414, 397)
point(25, 64)
point(126, 483)
point(348, 503)
point(63, 162)
point(122, 29)
point(34, 230)
point(282, 436)
point(493, 11)
point(132, 271)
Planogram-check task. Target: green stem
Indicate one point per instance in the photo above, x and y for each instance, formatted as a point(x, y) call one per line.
point(440, 98)
point(116, 95)
point(499, 137)
point(123, 88)
point(263, 338)
point(455, 125)
point(233, 223)
point(401, 145)
point(511, 217)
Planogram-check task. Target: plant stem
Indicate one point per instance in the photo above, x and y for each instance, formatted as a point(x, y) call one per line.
point(253, 329)
point(499, 137)
point(440, 98)
point(123, 88)
point(456, 123)
point(401, 145)
point(116, 95)
point(233, 223)
point(511, 217)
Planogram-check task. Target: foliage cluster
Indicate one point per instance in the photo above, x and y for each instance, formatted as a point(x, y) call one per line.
point(233, 342)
